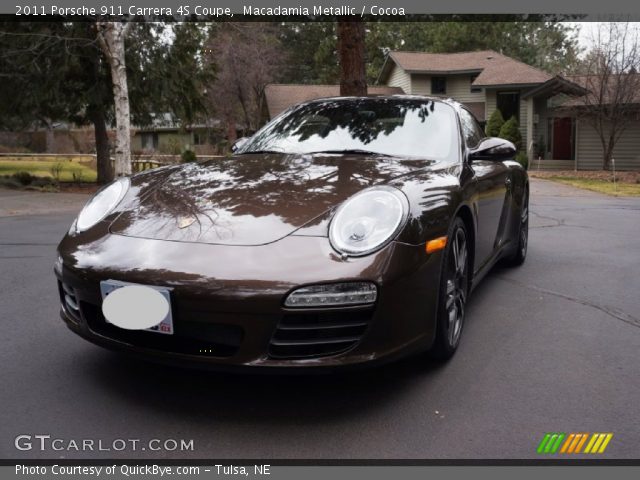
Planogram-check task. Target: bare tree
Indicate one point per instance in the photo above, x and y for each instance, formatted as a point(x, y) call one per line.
point(111, 38)
point(248, 57)
point(613, 84)
point(351, 49)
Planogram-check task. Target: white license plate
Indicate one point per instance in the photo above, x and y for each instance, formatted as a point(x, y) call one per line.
point(166, 326)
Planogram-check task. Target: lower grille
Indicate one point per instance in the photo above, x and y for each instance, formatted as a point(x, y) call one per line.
point(305, 335)
point(191, 338)
point(69, 302)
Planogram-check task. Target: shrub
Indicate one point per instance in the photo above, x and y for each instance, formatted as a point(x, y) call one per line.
point(77, 176)
point(188, 156)
point(24, 178)
point(495, 123)
point(43, 182)
point(56, 170)
point(523, 160)
point(9, 182)
point(13, 149)
point(511, 131)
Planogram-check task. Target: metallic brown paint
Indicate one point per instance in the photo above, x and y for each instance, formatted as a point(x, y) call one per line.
point(260, 231)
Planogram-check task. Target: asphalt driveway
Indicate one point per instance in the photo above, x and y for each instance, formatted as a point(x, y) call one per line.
point(553, 346)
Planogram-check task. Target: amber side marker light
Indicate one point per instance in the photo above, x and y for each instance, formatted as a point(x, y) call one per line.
point(436, 244)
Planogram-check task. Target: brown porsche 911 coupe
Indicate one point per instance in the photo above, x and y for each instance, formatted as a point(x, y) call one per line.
point(347, 231)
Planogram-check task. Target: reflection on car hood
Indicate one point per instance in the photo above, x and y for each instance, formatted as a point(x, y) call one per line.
point(252, 199)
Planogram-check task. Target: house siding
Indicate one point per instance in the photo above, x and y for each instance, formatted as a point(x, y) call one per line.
point(421, 84)
point(490, 102)
point(400, 78)
point(458, 88)
point(522, 123)
point(168, 142)
point(589, 148)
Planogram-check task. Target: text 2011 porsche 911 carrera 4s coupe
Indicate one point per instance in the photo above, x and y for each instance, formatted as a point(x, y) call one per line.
point(347, 231)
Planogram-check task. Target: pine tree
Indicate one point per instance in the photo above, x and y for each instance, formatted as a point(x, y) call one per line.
point(495, 123)
point(511, 131)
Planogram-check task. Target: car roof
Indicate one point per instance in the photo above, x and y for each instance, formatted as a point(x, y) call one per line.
point(446, 100)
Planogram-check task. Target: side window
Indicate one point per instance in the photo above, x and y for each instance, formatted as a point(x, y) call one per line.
point(470, 128)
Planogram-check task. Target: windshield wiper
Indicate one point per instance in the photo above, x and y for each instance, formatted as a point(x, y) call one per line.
point(351, 150)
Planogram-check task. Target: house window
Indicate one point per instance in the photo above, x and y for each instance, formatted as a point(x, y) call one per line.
point(203, 138)
point(149, 140)
point(472, 87)
point(438, 85)
point(509, 104)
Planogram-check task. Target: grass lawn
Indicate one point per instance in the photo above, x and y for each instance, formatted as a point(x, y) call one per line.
point(601, 186)
point(84, 171)
point(48, 158)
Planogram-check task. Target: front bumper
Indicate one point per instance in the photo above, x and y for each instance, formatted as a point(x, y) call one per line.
point(230, 313)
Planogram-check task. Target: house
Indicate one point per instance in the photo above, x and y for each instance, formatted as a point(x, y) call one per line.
point(589, 147)
point(278, 96)
point(165, 135)
point(486, 80)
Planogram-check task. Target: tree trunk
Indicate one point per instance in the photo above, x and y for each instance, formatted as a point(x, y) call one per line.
point(608, 155)
point(353, 81)
point(103, 159)
point(50, 141)
point(111, 36)
point(97, 116)
point(232, 134)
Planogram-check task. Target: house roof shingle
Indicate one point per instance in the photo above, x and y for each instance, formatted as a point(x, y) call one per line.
point(280, 96)
point(493, 67)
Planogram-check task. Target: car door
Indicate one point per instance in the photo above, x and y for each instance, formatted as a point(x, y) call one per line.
point(491, 179)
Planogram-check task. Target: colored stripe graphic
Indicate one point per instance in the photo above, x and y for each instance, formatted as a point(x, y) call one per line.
point(607, 439)
point(598, 443)
point(591, 442)
point(543, 443)
point(581, 443)
point(567, 442)
point(556, 445)
point(572, 443)
point(550, 442)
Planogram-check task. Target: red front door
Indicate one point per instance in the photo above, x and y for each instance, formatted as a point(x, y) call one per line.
point(562, 133)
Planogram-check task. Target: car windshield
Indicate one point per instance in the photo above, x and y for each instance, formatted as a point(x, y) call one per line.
point(383, 126)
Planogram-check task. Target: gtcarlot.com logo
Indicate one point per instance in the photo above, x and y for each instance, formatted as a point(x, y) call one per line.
point(47, 442)
point(573, 443)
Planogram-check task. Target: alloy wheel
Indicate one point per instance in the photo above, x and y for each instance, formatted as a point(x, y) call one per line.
point(456, 293)
point(524, 227)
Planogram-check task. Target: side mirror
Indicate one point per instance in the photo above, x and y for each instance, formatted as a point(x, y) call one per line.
point(239, 143)
point(493, 148)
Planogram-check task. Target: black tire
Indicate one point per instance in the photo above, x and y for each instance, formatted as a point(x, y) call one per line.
point(453, 294)
point(520, 254)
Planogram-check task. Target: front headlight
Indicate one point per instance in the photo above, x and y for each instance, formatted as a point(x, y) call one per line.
point(101, 204)
point(368, 220)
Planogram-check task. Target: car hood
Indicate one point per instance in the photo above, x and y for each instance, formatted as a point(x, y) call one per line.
point(250, 199)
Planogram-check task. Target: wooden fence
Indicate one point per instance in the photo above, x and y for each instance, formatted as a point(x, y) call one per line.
point(139, 163)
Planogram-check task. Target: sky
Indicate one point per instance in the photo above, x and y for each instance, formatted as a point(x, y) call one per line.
point(587, 30)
